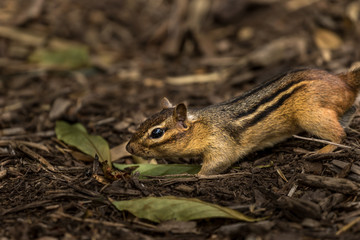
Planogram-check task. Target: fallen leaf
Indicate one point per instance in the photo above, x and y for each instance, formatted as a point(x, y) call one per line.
point(77, 136)
point(160, 169)
point(69, 58)
point(160, 209)
point(121, 125)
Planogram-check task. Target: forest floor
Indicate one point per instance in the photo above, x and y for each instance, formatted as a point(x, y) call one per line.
point(127, 56)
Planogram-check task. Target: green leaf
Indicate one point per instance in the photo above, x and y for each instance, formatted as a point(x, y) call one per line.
point(160, 169)
point(69, 58)
point(159, 209)
point(77, 136)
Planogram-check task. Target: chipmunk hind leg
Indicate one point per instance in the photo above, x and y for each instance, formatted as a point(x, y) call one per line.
point(323, 123)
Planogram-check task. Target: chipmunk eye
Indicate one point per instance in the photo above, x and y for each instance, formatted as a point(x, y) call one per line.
point(157, 133)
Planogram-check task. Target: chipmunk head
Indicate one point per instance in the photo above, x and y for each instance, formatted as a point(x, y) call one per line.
point(165, 134)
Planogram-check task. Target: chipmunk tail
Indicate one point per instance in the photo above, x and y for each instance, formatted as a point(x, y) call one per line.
point(352, 77)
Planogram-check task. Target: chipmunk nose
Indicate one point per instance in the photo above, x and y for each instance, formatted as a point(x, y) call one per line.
point(129, 148)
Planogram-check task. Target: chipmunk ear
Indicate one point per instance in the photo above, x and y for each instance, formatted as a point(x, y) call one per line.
point(180, 114)
point(165, 103)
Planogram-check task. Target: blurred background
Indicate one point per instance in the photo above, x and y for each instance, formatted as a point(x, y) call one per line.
point(90, 60)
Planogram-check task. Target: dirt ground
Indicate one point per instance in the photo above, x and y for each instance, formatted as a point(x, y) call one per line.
point(136, 53)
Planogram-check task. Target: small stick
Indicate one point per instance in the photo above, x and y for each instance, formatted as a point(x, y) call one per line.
point(348, 226)
point(322, 141)
point(88, 220)
point(37, 157)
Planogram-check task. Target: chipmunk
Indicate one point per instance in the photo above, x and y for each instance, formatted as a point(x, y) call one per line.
point(310, 100)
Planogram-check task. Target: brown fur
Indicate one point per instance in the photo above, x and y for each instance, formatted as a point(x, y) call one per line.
point(302, 100)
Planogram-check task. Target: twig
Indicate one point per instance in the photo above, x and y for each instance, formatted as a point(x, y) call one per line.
point(348, 226)
point(87, 220)
point(353, 130)
point(26, 206)
point(19, 142)
point(38, 157)
point(322, 141)
point(278, 170)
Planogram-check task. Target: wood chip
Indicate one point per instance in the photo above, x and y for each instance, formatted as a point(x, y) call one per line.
point(300, 208)
point(354, 168)
point(12, 131)
point(198, 78)
point(31, 10)
point(3, 173)
point(335, 184)
point(184, 188)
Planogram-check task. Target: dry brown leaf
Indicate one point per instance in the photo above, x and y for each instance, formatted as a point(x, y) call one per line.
point(122, 125)
point(353, 11)
point(119, 152)
point(59, 107)
point(326, 39)
point(81, 156)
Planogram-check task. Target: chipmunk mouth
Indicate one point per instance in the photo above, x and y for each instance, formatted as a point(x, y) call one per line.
point(134, 149)
point(130, 148)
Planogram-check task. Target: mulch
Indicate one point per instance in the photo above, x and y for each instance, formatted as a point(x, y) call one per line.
point(140, 52)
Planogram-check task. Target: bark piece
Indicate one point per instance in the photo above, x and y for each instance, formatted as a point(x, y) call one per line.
point(335, 184)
